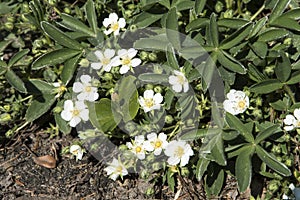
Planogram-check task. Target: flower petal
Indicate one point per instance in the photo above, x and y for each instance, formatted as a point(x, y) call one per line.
point(297, 113)
point(124, 69)
point(173, 160)
point(135, 62)
point(85, 78)
point(84, 114)
point(131, 52)
point(122, 23)
point(148, 94)
point(66, 115)
point(96, 65)
point(113, 17)
point(109, 53)
point(99, 54)
point(74, 121)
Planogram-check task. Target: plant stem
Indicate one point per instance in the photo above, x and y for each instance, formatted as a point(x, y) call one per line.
point(290, 93)
point(257, 13)
point(21, 127)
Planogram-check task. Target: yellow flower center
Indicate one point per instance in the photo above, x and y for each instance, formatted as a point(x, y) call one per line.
point(115, 26)
point(242, 104)
point(179, 152)
point(157, 144)
point(126, 61)
point(75, 112)
point(138, 149)
point(181, 79)
point(88, 88)
point(298, 123)
point(149, 102)
point(62, 88)
point(119, 169)
point(105, 61)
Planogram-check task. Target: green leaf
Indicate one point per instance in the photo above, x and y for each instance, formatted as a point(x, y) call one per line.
point(54, 57)
point(15, 81)
point(157, 42)
point(280, 105)
point(172, 28)
point(39, 106)
point(59, 36)
point(184, 5)
point(17, 57)
point(214, 181)
point(258, 26)
point(230, 63)
point(236, 38)
point(217, 151)
point(171, 57)
point(232, 23)
point(278, 9)
point(201, 167)
point(145, 19)
point(199, 6)
point(4, 44)
point(213, 32)
point(154, 78)
point(295, 78)
point(283, 68)
point(91, 15)
point(228, 77)
point(266, 86)
point(287, 23)
point(243, 168)
point(69, 69)
point(197, 24)
point(292, 14)
point(60, 122)
point(3, 69)
point(74, 24)
point(272, 162)
point(267, 133)
point(255, 74)
point(199, 133)
point(273, 34)
point(169, 98)
point(235, 123)
point(259, 48)
point(37, 86)
point(102, 115)
point(171, 180)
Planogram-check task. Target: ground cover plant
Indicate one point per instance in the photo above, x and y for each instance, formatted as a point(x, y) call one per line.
point(165, 91)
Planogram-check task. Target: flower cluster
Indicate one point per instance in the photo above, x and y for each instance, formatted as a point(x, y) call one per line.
point(177, 151)
point(125, 58)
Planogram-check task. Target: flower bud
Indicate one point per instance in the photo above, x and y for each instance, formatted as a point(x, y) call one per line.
point(150, 191)
point(107, 76)
point(273, 186)
point(144, 174)
point(169, 119)
point(158, 89)
point(133, 28)
point(131, 7)
point(6, 108)
point(152, 56)
point(185, 171)
point(9, 133)
point(143, 55)
point(228, 14)
point(67, 10)
point(9, 25)
point(57, 109)
point(4, 118)
point(149, 87)
point(219, 6)
point(288, 162)
point(84, 62)
point(10, 19)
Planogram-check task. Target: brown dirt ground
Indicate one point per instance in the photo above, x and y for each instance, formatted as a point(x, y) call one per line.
point(21, 178)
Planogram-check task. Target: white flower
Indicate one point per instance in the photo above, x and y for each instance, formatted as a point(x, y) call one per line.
point(75, 113)
point(137, 146)
point(178, 152)
point(179, 82)
point(105, 58)
point(236, 102)
point(292, 121)
point(150, 101)
point(77, 151)
point(156, 143)
point(85, 89)
point(116, 169)
point(127, 60)
point(114, 24)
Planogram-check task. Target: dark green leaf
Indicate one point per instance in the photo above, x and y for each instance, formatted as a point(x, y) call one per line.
point(54, 57)
point(259, 48)
point(280, 105)
point(295, 78)
point(171, 57)
point(39, 106)
point(255, 74)
point(37, 86)
point(4, 44)
point(17, 57)
point(74, 24)
point(273, 34)
point(287, 23)
point(266, 86)
point(235, 123)
point(267, 133)
point(201, 167)
point(15, 81)
point(236, 38)
point(243, 168)
point(272, 162)
point(102, 115)
point(199, 133)
point(154, 78)
point(199, 6)
point(171, 180)
point(283, 68)
point(3, 69)
point(168, 98)
point(214, 181)
point(157, 42)
point(91, 15)
point(278, 9)
point(184, 5)
point(172, 28)
point(292, 14)
point(69, 69)
point(145, 19)
point(228, 77)
point(230, 63)
point(213, 32)
point(217, 151)
point(59, 36)
point(197, 24)
point(233, 23)
point(258, 26)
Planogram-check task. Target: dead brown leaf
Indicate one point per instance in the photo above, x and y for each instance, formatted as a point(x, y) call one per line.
point(45, 161)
